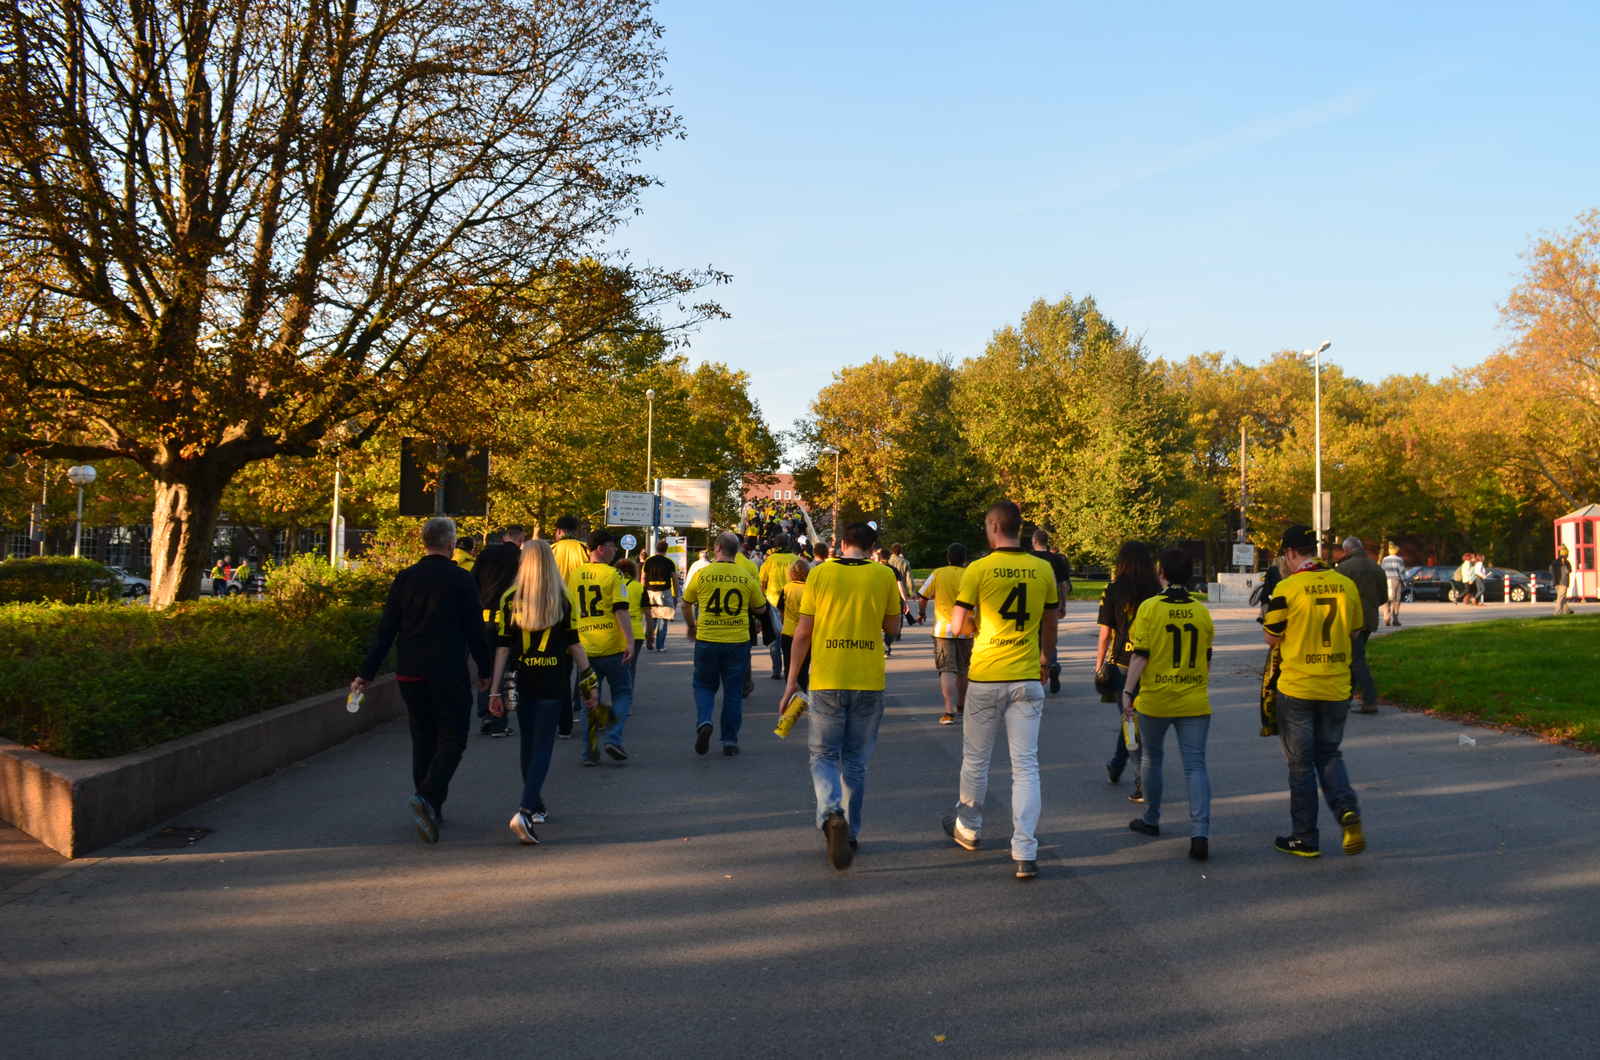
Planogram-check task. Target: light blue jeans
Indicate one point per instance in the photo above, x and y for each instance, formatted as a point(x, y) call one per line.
point(1019, 706)
point(843, 732)
point(1192, 746)
point(610, 671)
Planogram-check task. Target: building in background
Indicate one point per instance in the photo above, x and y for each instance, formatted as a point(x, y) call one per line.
point(777, 487)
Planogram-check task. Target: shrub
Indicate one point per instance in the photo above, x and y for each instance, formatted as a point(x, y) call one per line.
point(97, 680)
point(309, 583)
point(63, 579)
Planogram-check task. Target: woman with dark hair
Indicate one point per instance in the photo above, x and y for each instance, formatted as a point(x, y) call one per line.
point(1133, 581)
point(494, 571)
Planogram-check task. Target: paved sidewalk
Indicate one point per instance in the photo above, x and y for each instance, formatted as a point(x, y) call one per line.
point(682, 904)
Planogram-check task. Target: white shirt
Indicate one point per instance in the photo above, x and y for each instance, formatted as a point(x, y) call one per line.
point(694, 568)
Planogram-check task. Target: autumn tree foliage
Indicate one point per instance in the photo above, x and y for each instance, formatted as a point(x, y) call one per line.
point(230, 226)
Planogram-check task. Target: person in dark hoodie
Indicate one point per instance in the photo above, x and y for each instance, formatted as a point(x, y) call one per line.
point(494, 572)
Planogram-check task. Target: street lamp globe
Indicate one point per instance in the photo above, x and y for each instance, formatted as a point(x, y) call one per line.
point(650, 395)
point(81, 476)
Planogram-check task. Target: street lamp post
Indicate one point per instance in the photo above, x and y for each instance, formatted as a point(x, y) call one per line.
point(80, 477)
point(650, 468)
point(835, 453)
point(1315, 356)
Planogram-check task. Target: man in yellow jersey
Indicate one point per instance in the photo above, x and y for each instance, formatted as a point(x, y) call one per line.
point(850, 605)
point(1012, 595)
point(464, 553)
point(774, 575)
point(569, 551)
point(605, 630)
point(952, 655)
point(1167, 687)
point(718, 603)
point(1311, 616)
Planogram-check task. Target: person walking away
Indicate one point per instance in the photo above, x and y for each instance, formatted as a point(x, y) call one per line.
point(219, 577)
point(901, 565)
point(1462, 582)
point(432, 620)
point(1133, 581)
point(851, 605)
point(880, 556)
point(662, 589)
point(1172, 638)
point(1013, 597)
point(718, 604)
point(1480, 573)
point(774, 575)
point(789, 608)
point(1311, 618)
point(1561, 579)
point(1371, 583)
point(535, 637)
point(630, 581)
point(952, 655)
point(1063, 576)
point(606, 632)
point(1394, 573)
point(703, 561)
point(494, 572)
point(463, 554)
point(570, 553)
point(820, 551)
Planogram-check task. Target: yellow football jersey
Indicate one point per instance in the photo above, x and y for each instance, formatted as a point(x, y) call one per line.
point(635, 593)
point(1174, 633)
point(1008, 591)
point(600, 593)
point(570, 555)
point(942, 587)
point(723, 593)
point(775, 574)
point(848, 599)
point(1315, 611)
point(793, 594)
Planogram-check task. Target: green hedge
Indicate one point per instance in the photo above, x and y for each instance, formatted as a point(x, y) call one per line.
point(96, 680)
point(39, 579)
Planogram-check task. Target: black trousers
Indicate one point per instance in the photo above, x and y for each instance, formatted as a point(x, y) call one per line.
point(440, 713)
point(804, 681)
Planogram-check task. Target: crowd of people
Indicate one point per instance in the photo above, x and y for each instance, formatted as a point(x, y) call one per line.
point(552, 631)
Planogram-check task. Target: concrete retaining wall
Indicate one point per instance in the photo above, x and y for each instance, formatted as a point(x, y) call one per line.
point(76, 806)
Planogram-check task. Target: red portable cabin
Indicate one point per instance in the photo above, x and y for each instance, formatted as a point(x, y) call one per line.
point(1578, 530)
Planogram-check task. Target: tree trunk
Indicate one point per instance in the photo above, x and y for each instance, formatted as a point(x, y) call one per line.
point(182, 529)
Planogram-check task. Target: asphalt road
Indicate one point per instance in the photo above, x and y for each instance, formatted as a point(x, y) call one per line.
point(682, 904)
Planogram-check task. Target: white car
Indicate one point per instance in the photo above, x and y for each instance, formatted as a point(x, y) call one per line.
point(132, 584)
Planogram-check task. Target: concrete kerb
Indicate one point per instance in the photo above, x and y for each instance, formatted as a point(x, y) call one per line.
point(76, 806)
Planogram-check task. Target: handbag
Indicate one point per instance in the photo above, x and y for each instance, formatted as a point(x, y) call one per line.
point(1105, 681)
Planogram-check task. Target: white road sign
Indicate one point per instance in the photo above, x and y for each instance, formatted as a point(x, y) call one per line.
point(686, 502)
point(626, 508)
point(1244, 555)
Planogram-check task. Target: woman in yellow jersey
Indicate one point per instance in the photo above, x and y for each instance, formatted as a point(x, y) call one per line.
point(789, 605)
point(630, 581)
point(1167, 687)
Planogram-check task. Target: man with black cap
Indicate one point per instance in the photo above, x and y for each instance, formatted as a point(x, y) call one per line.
point(1311, 617)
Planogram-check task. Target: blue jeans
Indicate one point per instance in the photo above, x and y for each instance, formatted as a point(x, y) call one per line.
point(1119, 753)
point(725, 666)
point(610, 671)
point(538, 719)
point(1311, 731)
point(1192, 746)
point(843, 732)
point(1360, 672)
point(657, 634)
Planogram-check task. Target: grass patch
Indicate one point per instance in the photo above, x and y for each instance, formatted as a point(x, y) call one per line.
point(1533, 674)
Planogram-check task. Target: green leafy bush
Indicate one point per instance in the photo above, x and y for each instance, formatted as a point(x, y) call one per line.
point(63, 579)
point(308, 584)
point(97, 680)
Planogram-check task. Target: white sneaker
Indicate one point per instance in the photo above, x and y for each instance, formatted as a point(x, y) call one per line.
point(539, 816)
point(521, 825)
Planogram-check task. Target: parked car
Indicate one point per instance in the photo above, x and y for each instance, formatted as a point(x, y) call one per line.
point(132, 584)
point(1437, 583)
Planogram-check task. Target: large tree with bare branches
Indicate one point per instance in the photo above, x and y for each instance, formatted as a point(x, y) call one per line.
point(230, 226)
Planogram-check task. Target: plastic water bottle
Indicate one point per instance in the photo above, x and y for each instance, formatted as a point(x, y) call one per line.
point(1463, 740)
point(1130, 733)
point(352, 702)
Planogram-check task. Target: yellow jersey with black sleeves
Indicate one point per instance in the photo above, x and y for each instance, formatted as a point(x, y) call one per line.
point(775, 574)
point(1173, 633)
point(599, 591)
point(1315, 611)
point(723, 593)
point(847, 600)
point(1008, 591)
point(942, 586)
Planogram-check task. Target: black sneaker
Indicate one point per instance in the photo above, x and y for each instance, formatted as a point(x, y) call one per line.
point(616, 752)
point(749, 684)
point(502, 732)
point(837, 832)
point(1355, 841)
point(564, 735)
point(730, 750)
point(521, 825)
point(425, 817)
point(1027, 870)
point(1140, 825)
point(1300, 848)
point(777, 677)
point(1113, 773)
point(1199, 847)
point(488, 727)
point(949, 823)
point(702, 739)
point(591, 758)
point(1138, 792)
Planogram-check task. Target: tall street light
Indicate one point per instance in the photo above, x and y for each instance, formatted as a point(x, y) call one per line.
point(80, 477)
point(827, 451)
point(650, 468)
point(1315, 357)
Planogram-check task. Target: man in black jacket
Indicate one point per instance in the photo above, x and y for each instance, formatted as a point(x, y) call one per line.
point(432, 618)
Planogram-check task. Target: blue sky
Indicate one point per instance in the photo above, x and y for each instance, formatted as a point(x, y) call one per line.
point(1246, 178)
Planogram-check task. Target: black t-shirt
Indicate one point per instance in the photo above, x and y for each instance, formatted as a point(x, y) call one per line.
point(659, 572)
point(1058, 563)
point(544, 667)
point(1118, 606)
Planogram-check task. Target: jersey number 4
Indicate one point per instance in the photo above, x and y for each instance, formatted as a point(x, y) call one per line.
point(1015, 606)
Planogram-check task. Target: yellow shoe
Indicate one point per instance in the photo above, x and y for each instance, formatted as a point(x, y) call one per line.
point(1354, 841)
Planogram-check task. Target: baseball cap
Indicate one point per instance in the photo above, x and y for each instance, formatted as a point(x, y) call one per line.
point(1300, 538)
